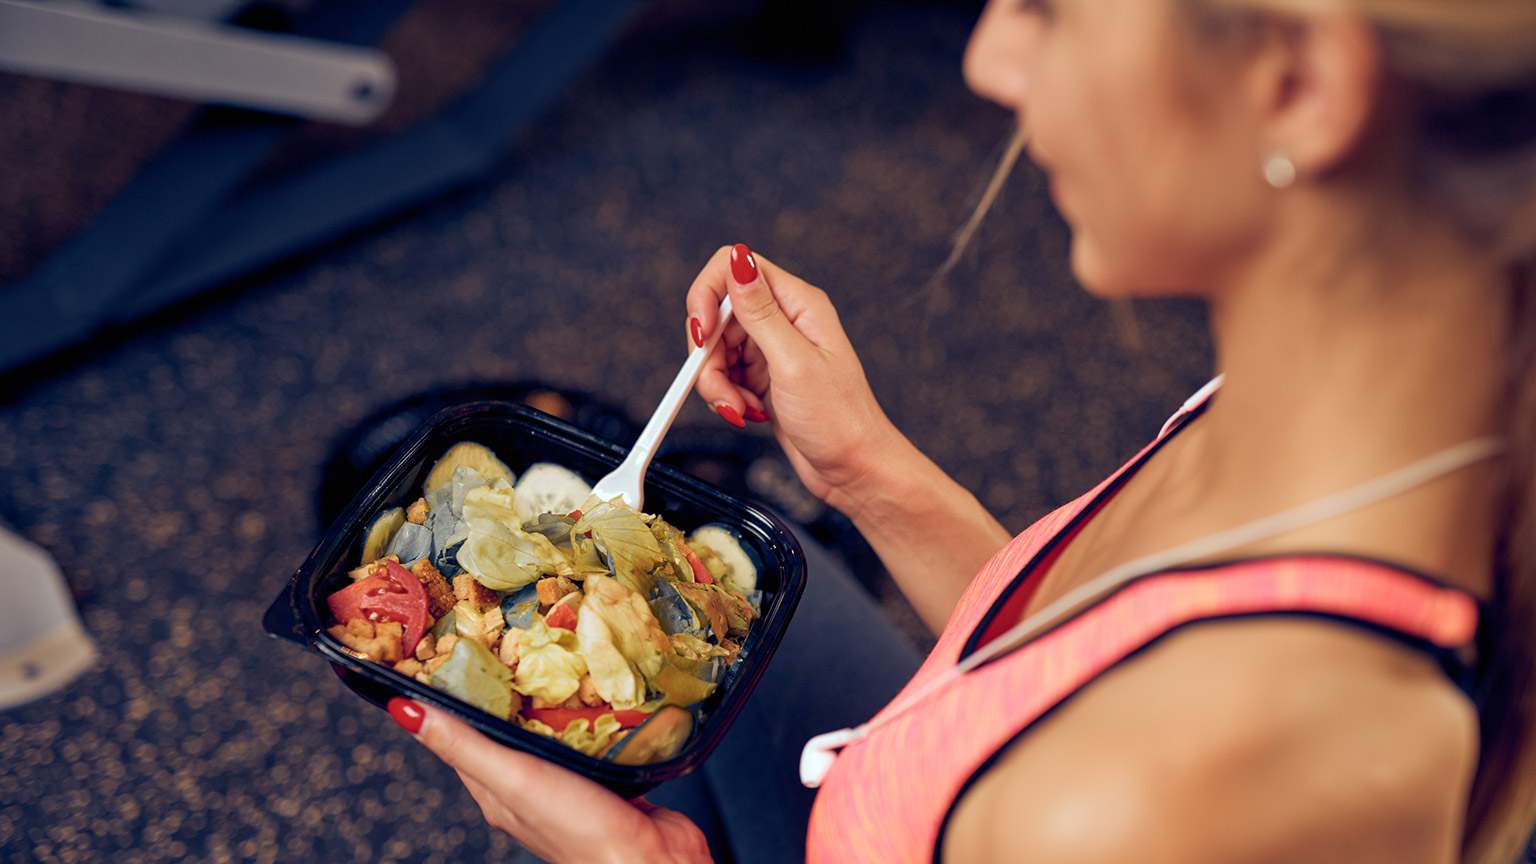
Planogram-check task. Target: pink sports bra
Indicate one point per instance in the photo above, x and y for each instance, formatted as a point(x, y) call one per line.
point(888, 796)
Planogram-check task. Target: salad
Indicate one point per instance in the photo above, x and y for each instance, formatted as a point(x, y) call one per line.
point(535, 601)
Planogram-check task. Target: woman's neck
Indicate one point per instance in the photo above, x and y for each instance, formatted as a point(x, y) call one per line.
point(1341, 367)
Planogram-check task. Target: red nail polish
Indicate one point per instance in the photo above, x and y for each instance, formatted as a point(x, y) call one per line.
point(743, 267)
point(756, 415)
point(725, 410)
point(407, 713)
point(696, 327)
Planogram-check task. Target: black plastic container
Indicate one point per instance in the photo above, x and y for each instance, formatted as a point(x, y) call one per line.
point(522, 436)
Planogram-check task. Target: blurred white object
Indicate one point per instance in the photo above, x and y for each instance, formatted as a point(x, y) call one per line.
point(43, 645)
point(185, 58)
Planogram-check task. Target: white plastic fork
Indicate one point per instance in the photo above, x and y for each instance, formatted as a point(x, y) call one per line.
point(628, 480)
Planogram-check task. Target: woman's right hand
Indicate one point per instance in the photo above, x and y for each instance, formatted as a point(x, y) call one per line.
point(786, 353)
point(785, 358)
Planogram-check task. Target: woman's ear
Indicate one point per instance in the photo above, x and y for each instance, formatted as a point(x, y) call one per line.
point(1318, 88)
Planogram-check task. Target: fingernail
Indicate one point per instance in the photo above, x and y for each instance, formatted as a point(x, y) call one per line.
point(696, 327)
point(756, 415)
point(407, 713)
point(743, 267)
point(725, 410)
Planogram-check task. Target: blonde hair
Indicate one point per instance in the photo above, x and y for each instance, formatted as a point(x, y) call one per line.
point(1471, 68)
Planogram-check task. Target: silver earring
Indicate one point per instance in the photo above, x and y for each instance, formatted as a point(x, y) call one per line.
point(1279, 171)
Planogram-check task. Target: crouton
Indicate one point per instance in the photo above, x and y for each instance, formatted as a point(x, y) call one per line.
point(409, 666)
point(426, 647)
point(382, 642)
point(440, 595)
point(587, 692)
point(549, 591)
point(391, 630)
point(465, 587)
point(552, 589)
point(417, 512)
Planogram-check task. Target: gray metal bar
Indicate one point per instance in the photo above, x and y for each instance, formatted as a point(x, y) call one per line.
point(78, 289)
point(166, 55)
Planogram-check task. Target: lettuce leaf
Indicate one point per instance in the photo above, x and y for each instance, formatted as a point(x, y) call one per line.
point(464, 480)
point(499, 554)
point(709, 604)
point(482, 625)
point(698, 657)
point(473, 674)
point(626, 540)
point(729, 613)
point(557, 528)
point(549, 663)
point(673, 567)
point(613, 676)
point(586, 560)
point(680, 688)
point(634, 630)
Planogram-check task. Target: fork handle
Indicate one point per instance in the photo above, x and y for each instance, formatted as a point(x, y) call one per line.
point(650, 437)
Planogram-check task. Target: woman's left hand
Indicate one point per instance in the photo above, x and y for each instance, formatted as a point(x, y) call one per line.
point(556, 814)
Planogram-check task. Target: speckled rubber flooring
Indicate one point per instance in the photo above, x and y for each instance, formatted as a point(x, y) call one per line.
point(175, 473)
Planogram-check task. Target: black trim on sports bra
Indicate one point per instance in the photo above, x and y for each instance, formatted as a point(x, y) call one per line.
point(1066, 531)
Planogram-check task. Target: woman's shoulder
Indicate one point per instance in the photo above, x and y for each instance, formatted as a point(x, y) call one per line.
point(1246, 739)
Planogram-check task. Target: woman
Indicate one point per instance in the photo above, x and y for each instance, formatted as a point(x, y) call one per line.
point(1351, 187)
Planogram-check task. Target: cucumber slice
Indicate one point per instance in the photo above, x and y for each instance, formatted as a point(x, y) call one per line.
point(548, 488)
point(741, 560)
point(473, 455)
point(660, 737)
point(380, 531)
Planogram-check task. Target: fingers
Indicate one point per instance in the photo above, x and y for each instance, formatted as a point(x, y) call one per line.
point(455, 742)
point(778, 322)
point(508, 773)
point(704, 296)
point(556, 814)
point(756, 306)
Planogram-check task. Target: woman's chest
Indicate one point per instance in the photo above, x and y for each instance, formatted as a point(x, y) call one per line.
point(892, 794)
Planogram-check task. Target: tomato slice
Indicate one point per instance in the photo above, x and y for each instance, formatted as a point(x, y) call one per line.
point(559, 718)
point(394, 595)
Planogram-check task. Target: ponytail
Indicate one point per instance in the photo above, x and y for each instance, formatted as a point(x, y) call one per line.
point(1502, 809)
